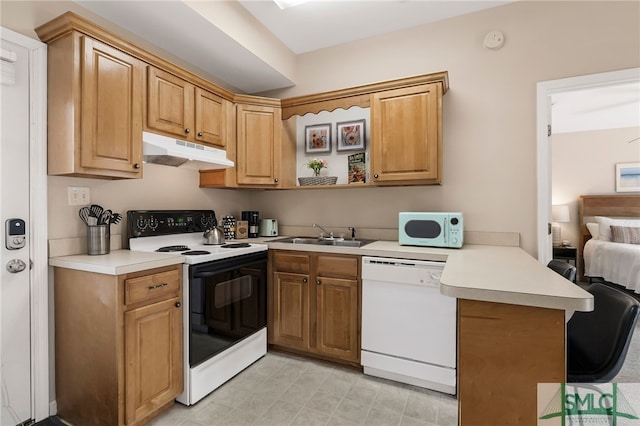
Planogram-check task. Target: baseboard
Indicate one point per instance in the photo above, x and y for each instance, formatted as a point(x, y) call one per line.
point(53, 407)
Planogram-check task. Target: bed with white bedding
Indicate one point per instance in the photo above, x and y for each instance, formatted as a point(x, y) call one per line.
point(617, 263)
point(609, 247)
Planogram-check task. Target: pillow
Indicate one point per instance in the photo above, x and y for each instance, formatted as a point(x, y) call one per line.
point(606, 223)
point(594, 230)
point(625, 234)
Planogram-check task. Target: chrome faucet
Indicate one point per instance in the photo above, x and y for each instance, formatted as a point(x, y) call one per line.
point(315, 225)
point(353, 232)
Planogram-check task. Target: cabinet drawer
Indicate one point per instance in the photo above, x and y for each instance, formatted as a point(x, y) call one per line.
point(291, 262)
point(152, 286)
point(338, 266)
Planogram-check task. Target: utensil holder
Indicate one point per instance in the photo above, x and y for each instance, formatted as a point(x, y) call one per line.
point(98, 239)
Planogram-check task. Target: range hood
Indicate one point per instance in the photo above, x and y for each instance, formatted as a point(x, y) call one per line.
point(158, 149)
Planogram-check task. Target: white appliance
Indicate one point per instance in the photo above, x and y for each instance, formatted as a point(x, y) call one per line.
point(160, 149)
point(408, 327)
point(224, 295)
point(432, 229)
point(268, 228)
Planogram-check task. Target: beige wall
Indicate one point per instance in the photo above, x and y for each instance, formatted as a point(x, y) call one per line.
point(489, 118)
point(489, 166)
point(584, 163)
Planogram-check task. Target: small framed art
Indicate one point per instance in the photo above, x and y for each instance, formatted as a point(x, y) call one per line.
point(317, 138)
point(350, 135)
point(628, 177)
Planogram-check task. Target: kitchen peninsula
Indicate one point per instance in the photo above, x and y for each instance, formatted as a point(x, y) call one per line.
point(511, 324)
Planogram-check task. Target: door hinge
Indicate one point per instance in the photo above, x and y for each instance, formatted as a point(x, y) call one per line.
point(548, 130)
point(548, 228)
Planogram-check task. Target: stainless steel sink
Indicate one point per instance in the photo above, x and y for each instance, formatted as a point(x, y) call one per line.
point(324, 241)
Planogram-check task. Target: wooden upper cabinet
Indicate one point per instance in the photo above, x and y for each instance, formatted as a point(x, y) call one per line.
point(180, 109)
point(258, 157)
point(406, 143)
point(210, 118)
point(169, 103)
point(94, 109)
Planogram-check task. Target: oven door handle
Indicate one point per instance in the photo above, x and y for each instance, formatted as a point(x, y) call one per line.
point(205, 274)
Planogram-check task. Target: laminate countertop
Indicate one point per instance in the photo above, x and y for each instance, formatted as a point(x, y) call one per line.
point(475, 272)
point(117, 262)
point(480, 272)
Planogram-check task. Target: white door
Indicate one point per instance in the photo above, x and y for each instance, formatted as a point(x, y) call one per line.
point(15, 289)
point(23, 289)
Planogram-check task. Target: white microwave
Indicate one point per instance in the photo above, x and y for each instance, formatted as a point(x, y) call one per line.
point(430, 229)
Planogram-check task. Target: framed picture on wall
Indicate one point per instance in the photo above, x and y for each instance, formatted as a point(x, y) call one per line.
point(317, 138)
point(628, 177)
point(350, 135)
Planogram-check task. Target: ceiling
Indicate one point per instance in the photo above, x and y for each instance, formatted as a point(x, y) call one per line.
point(184, 29)
point(607, 107)
point(318, 24)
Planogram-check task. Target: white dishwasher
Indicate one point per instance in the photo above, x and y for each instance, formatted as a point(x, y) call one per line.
point(408, 327)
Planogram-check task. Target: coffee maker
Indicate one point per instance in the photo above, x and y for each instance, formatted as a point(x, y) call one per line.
point(253, 217)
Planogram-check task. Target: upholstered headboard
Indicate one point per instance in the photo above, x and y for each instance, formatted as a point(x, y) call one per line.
point(589, 206)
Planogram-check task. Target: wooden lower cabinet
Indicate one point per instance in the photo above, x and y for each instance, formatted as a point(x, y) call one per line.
point(118, 345)
point(314, 304)
point(504, 351)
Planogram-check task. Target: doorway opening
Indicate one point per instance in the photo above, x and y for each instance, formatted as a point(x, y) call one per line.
point(546, 91)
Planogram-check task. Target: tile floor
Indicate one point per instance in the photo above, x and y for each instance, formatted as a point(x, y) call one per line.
point(282, 389)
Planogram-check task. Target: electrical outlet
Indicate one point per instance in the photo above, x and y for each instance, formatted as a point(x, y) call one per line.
point(79, 196)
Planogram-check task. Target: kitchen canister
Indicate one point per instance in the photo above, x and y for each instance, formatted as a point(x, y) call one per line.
point(242, 229)
point(229, 227)
point(98, 239)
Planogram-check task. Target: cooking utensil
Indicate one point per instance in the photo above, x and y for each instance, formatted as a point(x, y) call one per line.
point(105, 217)
point(96, 210)
point(116, 218)
point(213, 236)
point(84, 215)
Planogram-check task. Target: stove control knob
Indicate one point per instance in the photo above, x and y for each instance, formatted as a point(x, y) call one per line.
point(141, 223)
point(153, 223)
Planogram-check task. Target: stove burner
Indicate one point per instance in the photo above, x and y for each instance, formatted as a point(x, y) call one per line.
point(235, 245)
point(173, 248)
point(195, 252)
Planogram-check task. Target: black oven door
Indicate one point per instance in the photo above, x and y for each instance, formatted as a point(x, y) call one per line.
point(228, 302)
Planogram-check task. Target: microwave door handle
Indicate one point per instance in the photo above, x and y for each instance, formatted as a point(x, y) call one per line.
point(446, 229)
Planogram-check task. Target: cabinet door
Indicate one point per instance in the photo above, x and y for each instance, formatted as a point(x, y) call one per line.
point(210, 118)
point(111, 110)
point(258, 145)
point(169, 104)
point(405, 134)
point(153, 350)
point(290, 314)
point(337, 318)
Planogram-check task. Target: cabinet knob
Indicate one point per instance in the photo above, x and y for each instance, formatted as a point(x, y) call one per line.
point(187, 130)
point(178, 304)
point(276, 180)
point(317, 282)
point(199, 134)
point(375, 176)
point(305, 280)
point(136, 166)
